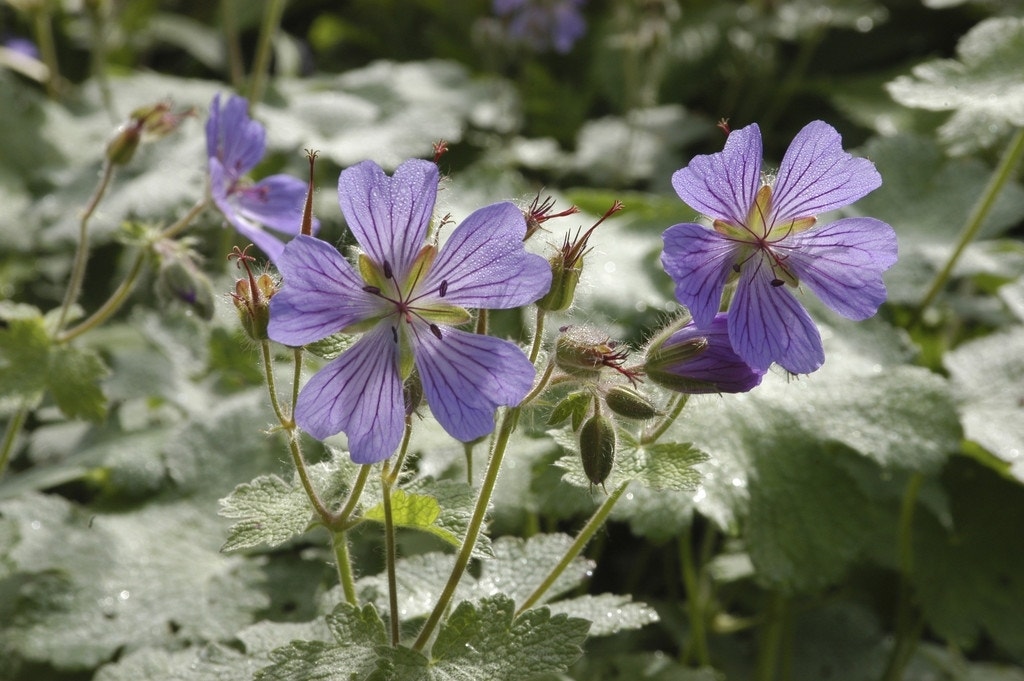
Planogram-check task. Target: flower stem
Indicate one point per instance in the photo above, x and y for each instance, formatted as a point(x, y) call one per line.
point(696, 648)
point(1000, 176)
point(576, 548)
point(538, 336)
point(14, 426)
point(390, 553)
point(261, 64)
point(82, 252)
point(187, 219)
point(344, 563)
point(508, 425)
point(340, 519)
point(908, 623)
point(771, 639)
point(42, 29)
point(655, 433)
point(236, 70)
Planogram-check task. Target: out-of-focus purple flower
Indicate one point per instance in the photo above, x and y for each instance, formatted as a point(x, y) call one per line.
point(697, 361)
point(764, 236)
point(235, 144)
point(22, 46)
point(406, 297)
point(542, 25)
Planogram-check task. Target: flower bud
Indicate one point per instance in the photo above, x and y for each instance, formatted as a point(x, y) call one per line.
point(630, 403)
point(696, 361)
point(253, 304)
point(597, 448)
point(121, 148)
point(582, 351)
point(178, 280)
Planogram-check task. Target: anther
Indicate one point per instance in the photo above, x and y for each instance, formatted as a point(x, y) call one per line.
point(736, 268)
point(388, 273)
point(443, 289)
point(436, 330)
point(777, 283)
point(372, 289)
point(394, 334)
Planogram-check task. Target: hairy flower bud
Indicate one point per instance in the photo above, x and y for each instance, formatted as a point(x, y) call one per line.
point(630, 403)
point(252, 298)
point(695, 361)
point(152, 121)
point(582, 351)
point(597, 448)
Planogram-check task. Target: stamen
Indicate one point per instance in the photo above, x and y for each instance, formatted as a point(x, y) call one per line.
point(443, 289)
point(736, 267)
point(436, 330)
point(372, 289)
point(777, 283)
point(394, 334)
point(388, 272)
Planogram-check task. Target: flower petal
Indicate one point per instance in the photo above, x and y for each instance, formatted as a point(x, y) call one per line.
point(817, 176)
point(467, 376)
point(767, 324)
point(843, 263)
point(389, 216)
point(723, 185)
point(276, 201)
point(484, 263)
point(358, 393)
point(700, 261)
point(322, 294)
point(233, 138)
point(717, 368)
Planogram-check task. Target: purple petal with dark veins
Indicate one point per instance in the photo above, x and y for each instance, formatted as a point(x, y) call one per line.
point(700, 261)
point(276, 201)
point(717, 368)
point(843, 263)
point(321, 295)
point(233, 138)
point(484, 263)
point(389, 216)
point(817, 176)
point(358, 393)
point(767, 324)
point(467, 376)
point(724, 185)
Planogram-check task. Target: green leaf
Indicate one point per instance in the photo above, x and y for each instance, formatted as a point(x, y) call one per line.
point(574, 405)
point(658, 466)
point(982, 86)
point(73, 380)
point(332, 346)
point(24, 356)
point(358, 635)
point(988, 375)
point(483, 640)
point(607, 613)
point(969, 579)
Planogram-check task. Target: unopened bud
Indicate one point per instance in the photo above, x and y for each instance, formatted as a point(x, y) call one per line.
point(630, 403)
point(597, 448)
point(177, 280)
point(583, 352)
point(253, 304)
point(121, 148)
point(564, 278)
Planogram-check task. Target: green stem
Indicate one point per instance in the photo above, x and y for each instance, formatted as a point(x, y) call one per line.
point(981, 210)
point(655, 433)
point(185, 220)
point(467, 450)
point(296, 376)
point(98, 57)
point(42, 28)
point(341, 518)
point(576, 548)
point(14, 426)
point(771, 639)
point(508, 425)
point(344, 563)
point(696, 647)
point(287, 422)
point(538, 336)
point(82, 252)
point(908, 623)
point(261, 64)
point(236, 71)
point(390, 552)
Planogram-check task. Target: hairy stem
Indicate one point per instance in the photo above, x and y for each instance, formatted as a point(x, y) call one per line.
point(1000, 176)
point(696, 648)
point(261, 63)
point(82, 251)
point(390, 552)
point(576, 548)
point(908, 622)
point(14, 426)
point(654, 434)
point(42, 29)
point(341, 518)
point(236, 71)
point(344, 564)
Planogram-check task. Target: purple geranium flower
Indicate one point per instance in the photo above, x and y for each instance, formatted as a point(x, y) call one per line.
point(235, 144)
point(699, 361)
point(543, 24)
point(764, 235)
point(406, 296)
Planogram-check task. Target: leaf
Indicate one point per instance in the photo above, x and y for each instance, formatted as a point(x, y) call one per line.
point(442, 508)
point(574, 405)
point(73, 380)
point(982, 86)
point(484, 641)
point(24, 356)
point(358, 635)
point(332, 346)
point(658, 466)
point(969, 579)
point(988, 375)
point(88, 584)
point(607, 613)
